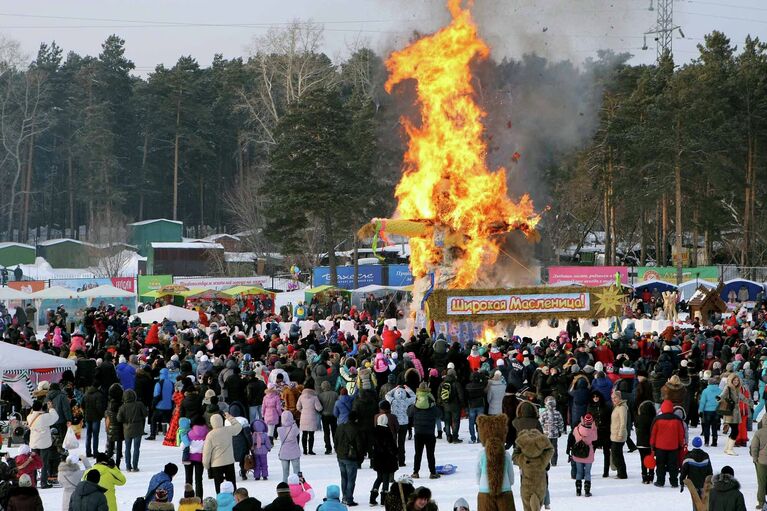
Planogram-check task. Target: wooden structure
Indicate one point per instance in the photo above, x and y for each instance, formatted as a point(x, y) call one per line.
point(706, 301)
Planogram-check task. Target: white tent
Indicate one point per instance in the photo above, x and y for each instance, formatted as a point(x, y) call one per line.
point(8, 293)
point(359, 294)
point(688, 288)
point(171, 312)
point(19, 367)
point(54, 293)
point(106, 291)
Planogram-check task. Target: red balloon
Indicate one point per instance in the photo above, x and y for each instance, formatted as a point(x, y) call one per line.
point(649, 461)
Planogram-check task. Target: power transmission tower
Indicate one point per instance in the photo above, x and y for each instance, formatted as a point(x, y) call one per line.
point(664, 27)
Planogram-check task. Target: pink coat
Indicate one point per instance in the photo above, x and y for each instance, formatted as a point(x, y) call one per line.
point(380, 364)
point(300, 493)
point(78, 344)
point(197, 440)
point(57, 340)
point(588, 435)
point(309, 405)
point(271, 408)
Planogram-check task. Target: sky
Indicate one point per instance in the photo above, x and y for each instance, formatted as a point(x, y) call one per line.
point(160, 31)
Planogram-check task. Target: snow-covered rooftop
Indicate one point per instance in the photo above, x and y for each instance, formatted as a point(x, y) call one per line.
point(153, 220)
point(56, 241)
point(188, 245)
point(7, 244)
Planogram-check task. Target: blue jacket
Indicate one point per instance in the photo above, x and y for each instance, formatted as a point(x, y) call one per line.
point(708, 401)
point(164, 390)
point(332, 500)
point(127, 375)
point(160, 480)
point(225, 501)
point(604, 386)
point(342, 408)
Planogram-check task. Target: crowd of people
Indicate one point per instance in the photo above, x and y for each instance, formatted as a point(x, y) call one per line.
point(225, 398)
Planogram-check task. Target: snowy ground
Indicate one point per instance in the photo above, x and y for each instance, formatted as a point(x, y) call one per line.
point(321, 470)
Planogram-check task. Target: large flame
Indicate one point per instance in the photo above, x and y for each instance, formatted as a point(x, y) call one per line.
point(445, 173)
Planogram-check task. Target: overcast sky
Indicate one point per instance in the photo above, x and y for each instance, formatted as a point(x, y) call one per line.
point(159, 31)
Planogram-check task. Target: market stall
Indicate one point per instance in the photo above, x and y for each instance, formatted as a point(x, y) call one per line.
point(49, 299)
point(109, 295)
point(741, 290)
point(170, 312)
point(325, 294)
point(652, 285)
point(359, 295)
point(21, 368)
point(687, 289)
point(249, 293)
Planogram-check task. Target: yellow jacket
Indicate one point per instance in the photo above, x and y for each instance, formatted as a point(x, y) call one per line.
point(110, 477)
point(190, 504)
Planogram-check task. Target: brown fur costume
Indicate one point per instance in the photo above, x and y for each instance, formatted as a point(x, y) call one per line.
point(532, 454)
point(492, 433)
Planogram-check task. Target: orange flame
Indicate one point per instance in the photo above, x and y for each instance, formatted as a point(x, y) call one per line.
point(446, 178)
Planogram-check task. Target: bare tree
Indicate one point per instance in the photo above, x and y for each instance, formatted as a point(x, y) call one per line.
point(107, 248)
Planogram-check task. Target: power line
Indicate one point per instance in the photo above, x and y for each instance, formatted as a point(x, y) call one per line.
point(734, 18)
point(730, 6)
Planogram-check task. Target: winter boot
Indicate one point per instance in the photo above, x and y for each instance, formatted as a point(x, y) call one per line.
point(713, 441)
point(374, 497)
point(588, 488)
point(728, 448)
point(578, 487)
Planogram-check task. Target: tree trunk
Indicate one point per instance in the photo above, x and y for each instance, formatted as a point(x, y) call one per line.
point(748, 185)
point(27, 190)
point(356, 261)
point(202, 201)
point(678, 206)
point(606, 226)
point(71, 193)
point(694, 249)
point(331, 251)
point(643, 236)
point(664, 230)
point(142, 178)
point(175, 157)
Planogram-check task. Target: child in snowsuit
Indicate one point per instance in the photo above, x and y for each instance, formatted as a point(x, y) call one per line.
point(300, 491)
point(553, 425)
point(262, 444)
point(696, 466)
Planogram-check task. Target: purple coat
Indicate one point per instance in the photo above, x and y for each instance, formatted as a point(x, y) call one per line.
point(262, 444)
point(197, 439)
point(289, 435)
point(271, 408)
point(309, 405)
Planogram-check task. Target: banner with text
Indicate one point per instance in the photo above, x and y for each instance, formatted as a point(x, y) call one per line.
point(221, 283)
point(124, 283)
point(399, 275)
point(525, 303)
point(668, 273)
point(367, 274)
point(588, 275)
point(148, 283)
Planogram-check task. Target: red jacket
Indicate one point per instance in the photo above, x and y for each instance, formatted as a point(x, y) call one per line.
point(667, 429)
point(152, 337)
point(604, 354)
point(390, 337)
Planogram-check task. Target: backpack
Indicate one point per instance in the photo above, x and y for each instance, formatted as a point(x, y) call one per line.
point(445, 391)
point(580, 450)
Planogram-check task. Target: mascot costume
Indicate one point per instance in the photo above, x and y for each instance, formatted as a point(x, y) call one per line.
point(495, 471)
point(532, 454)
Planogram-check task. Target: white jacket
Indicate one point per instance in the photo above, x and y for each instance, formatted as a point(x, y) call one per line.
point(40, 429)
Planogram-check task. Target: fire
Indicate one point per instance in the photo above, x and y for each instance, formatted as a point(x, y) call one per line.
point(446, 178)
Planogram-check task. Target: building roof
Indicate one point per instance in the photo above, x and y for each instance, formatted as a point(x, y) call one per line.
point(8, 244)
point(57, 241)
point(187, 245)
point(153, 220)
point(214, 237)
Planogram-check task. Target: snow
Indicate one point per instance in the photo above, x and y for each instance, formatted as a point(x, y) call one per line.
point(56, 241)
point(321, 470)
point(200, 245)
point(146, 222)
point(7, 244)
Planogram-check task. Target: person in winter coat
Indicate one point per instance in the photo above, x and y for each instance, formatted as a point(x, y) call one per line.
point(401, 399)
point(290, 451)
point(225, 497)
point(725, 492)
point(475, 402)
point(451, 399)
point(645, 417)
point(601, 413)
point(113, 427)
point(732, 394)
point(189, 502)
point(532, 454)
point(579, 395)
point(527, 417)
point(39, 423)
point(272, 410)
point(260, 446)
point(553, 425)
point(310, 407)
point(328, 398)
point(94, 407)
point(696, 466)
point(495, 469)
point(217, 450)
point(163, 402)
point(27, 462)
point(674, 391)
point(110, 477)
point(707, 405)
point(383, 458)
point(24, 497)
point(245, 502)
point(343, 406)
point(195, 438)
point(584, 432)
point(162, 481)
point(332, 500)
point(495, 390)
point(666, 439)
point(241, 445)
point(283, 502)
point(349, 453)
point(132, 415)
point(425, 415)
point(300, 491)
point(70, 475)
point(420, 500)
point(618, 433)
point(758, 450)
point(88, 495)
point(160, 501)
point(126, 373)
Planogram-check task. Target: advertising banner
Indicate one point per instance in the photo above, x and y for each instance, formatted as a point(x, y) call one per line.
point(27, 286)
point(525, 303)
point(668, 273)
point(221, 283)
point(367, 275)
point(148, 283)
point(588, 275)
point(399, 275)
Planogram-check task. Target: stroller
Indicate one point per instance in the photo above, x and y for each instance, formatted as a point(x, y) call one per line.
point(18, 430)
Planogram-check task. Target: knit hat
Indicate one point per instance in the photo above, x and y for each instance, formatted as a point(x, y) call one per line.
point(26, 482)
point(188, 491)
point(293, 479)
point(599, 366)
point(283, 489)
point(727, 470)
point(161, 494)
point(384, 405)
point(697, 442)
point(423, 492)
point(433, 372)
point(461, 504)
point(208, 394)
point(382, 420)
point(587, 420)
point(499, 363)
point(227, 487)
point(451, 365)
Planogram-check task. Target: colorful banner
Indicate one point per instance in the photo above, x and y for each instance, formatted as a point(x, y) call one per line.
point(588, 275)
point(27, 286)
point(367, 274)
point(525, 303)
point(399, 275)
point(668, 273)
point(519, 304)
point(148, 283)
point(221, 283)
